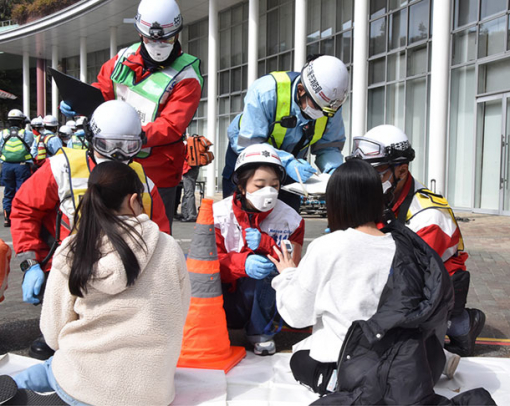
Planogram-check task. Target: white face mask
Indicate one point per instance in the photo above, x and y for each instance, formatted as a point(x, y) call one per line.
point(386, 186)
point(313, 113)
point(263, 199)
point(159, 51)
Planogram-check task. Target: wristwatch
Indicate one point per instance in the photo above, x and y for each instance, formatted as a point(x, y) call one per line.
point(27, 264)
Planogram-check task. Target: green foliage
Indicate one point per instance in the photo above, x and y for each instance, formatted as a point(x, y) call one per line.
point(29, 10)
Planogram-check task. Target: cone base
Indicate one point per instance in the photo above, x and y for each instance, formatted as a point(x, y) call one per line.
point(225, 364)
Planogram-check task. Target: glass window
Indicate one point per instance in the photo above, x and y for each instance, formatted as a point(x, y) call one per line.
point(343, 47)
point(397, 66)
point(394, 4)
point(416, 119)
point(286, 28)
point(272, 32)
point(466, 12)
point(224, 105)
point(328, 18)
point(343, 14)
point(377, 8)
point(236, 77)
point(464, 46)
point(376, 71)
point(375, 107)
point(491, 39)
point(419, 21)
point(285, 61)
point(397, 31)
point(395, 98)
point(272, 64)
point(237, 14)
point(237, 45)
point(314, 22)
point(312, 48)
point(272, 4)
point(235, 104)
point(377, 36)
point(328, 47)
point(225, 20)
point(494, 77)
point(224, 82)
point(490, 7)
point(262, 36)
point(224, 49)
point(461, 139)
point(417, 60)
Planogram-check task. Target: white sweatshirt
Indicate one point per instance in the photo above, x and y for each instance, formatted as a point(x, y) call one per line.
point(119, 345)
point(338, 281)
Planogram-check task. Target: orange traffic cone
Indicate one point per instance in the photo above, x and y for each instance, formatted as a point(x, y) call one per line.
point(5, 260)
point(205, 343)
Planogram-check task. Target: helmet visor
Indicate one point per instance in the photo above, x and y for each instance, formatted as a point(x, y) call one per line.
point(109, 146)
point(368, 149)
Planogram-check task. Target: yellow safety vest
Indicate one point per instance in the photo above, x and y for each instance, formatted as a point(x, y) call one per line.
point(79, 172)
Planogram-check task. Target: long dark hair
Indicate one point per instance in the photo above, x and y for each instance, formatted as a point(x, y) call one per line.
point(96, 216)
point(354, 196)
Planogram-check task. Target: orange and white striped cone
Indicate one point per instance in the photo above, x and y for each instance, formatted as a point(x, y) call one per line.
point(206, 343)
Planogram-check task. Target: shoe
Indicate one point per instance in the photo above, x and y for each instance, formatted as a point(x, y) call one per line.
point(189, 220)
point(464, 345)
point(178, 216)
point(7, 219)
point(265, 348)
point(451, 364)
point(40, 350)
point(8, 388)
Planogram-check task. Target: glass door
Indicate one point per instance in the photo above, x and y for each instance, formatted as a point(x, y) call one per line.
point(492, 189)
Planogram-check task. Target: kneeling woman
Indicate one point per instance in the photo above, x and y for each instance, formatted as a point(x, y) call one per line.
point(248, 225)
point(342, 275)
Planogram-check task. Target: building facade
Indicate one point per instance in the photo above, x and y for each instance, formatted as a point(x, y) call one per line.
point(451, 97)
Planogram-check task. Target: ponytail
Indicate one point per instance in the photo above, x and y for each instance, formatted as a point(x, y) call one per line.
point(97, 217)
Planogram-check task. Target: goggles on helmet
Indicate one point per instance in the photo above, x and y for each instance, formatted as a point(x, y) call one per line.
point(117, 148)
point(369, 150)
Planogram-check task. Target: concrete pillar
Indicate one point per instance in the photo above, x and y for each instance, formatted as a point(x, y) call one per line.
point(83, 59)
point(360, 68)
point(54, 88)
point(113, 41)
point(300, 35)
point(212, 91)
point(41, 87)
point(26, 84)
point(253, 43)
point(439, 96)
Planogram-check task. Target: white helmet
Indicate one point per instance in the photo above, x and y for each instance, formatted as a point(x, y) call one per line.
point(326, 81)
point(158, 19)
point(37, 122)
point(71, 124)
point(16, 116)
point(80, 121)
point(119, 138)
point(257, 155)
point(50, 121)
point(65, 133)
point(384, 144)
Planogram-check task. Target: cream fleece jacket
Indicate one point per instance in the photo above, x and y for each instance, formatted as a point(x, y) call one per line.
point(119, 345)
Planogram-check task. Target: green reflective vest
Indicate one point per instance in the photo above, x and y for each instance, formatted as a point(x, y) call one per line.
point(14, 148)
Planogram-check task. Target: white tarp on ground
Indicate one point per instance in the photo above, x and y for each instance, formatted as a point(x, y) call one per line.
point(268, 381)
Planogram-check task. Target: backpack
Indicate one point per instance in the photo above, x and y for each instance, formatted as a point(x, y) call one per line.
point(198, 151)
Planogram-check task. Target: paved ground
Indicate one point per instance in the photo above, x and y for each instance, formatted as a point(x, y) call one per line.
point(487, 239)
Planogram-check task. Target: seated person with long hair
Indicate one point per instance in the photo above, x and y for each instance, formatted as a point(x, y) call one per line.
point(115, 303)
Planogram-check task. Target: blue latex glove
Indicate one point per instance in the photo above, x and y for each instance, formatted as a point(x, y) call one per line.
point(67, 110)
point(32, 283)
point(258, 267)
point(253, 237)
point(304, 168)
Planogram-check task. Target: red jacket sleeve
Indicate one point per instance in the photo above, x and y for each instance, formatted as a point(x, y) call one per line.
point(158, 211)
point(298, 236)
point(34, 205)
point(104, 81)
point(231, 263)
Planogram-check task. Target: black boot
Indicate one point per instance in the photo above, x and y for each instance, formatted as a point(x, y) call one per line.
point(464, 345)
point(7, 218)
point(40, 350)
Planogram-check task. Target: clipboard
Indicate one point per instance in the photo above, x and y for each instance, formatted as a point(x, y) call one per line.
point(83, 98)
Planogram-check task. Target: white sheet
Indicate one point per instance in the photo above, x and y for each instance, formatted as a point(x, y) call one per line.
point(268, 381)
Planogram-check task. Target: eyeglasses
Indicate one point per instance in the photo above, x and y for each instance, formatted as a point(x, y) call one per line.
point(108, 146)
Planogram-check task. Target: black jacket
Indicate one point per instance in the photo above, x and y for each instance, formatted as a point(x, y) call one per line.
point(396, 357)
